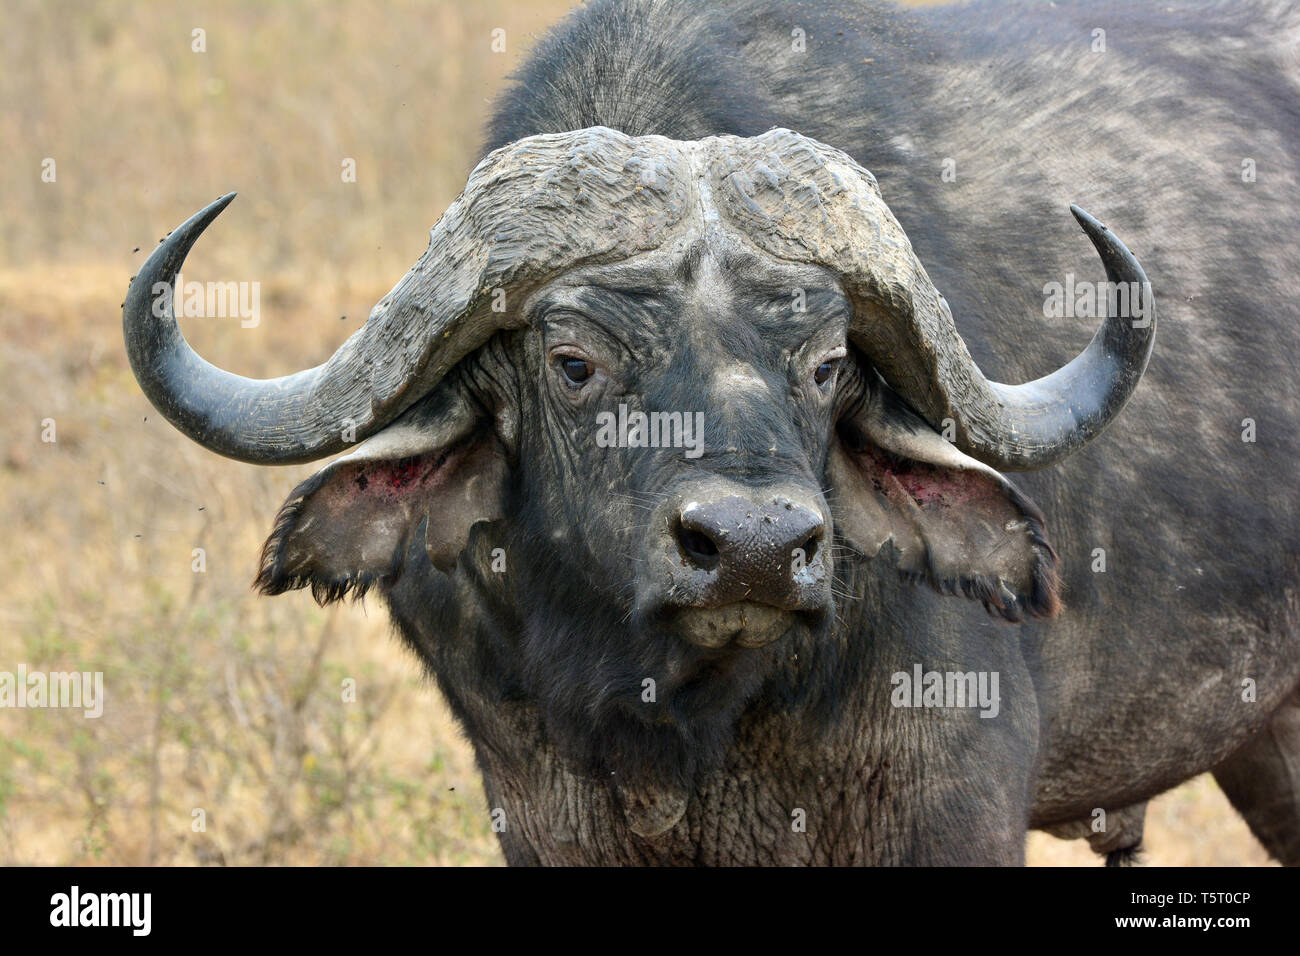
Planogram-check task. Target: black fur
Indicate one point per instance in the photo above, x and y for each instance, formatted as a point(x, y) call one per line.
point(1097, 709)
point(1125, 856)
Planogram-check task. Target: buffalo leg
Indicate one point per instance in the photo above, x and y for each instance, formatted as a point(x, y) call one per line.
point(1262, 780)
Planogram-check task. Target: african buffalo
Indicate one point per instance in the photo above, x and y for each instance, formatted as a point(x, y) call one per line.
point(682, 457)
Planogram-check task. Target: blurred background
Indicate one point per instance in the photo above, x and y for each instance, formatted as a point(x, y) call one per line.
point(217, 700)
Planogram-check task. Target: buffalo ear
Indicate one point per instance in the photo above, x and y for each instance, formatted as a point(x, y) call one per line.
point(349, 526)
point(952, 521)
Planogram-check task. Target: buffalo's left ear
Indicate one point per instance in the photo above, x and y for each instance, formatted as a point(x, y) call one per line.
point(349, 526)
point(952, 521)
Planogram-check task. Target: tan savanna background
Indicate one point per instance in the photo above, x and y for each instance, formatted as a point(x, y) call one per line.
point(218, 700)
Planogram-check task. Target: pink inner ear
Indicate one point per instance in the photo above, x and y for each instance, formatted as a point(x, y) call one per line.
point(925, 484)
point(395, 480)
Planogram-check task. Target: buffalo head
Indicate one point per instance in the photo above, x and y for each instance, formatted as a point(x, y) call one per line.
point(639, 397)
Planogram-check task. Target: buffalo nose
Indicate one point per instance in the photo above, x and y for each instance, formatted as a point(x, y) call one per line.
point(767, 550)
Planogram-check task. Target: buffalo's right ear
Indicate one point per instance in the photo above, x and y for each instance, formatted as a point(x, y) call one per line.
point(349, 526)
point(949, 520)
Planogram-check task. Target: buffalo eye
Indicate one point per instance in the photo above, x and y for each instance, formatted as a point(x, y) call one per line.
point(576, 370)
point(825, 371)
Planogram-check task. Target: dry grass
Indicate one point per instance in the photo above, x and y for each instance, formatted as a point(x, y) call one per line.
point(217, 700)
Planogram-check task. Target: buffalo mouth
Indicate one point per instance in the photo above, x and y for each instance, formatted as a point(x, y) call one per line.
point(735, 566)
point(743, 624)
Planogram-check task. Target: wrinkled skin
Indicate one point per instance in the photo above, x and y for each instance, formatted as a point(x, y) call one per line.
point(553, 577)
point(719, 333)
point(1138, 685)
point(585, 623)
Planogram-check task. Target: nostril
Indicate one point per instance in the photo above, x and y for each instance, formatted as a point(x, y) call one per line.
point(809, 546)
point(698, 547)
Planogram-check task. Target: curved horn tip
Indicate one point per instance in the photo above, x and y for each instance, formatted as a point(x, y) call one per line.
point(1110, 247)
point(180, 240)
point(1096, 230)
point(203, 218)
point(214, 208)
point(1089, 222)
